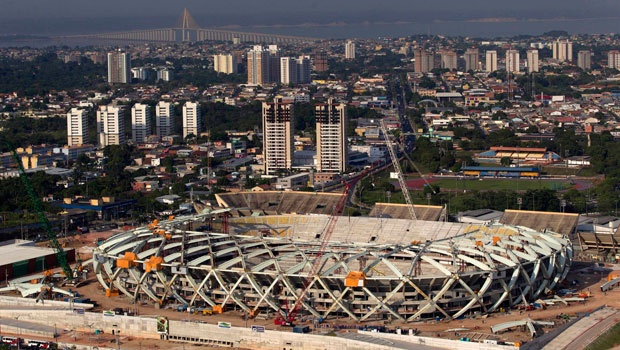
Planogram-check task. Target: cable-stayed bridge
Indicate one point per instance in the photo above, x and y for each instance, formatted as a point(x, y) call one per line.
point(188, 30)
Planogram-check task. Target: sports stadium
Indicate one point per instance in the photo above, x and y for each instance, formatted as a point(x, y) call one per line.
point(267, 252)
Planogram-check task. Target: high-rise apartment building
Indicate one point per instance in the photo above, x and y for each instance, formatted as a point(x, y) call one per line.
point(303, 69)
point(613, 59)
point(225, 64)
point(424, 61)
point(119, 67)
point(471, 59)
point(490, 61)
point(77, 127)
point(110, 125)
point(512, 61)
point(532, 61)
point(449, 60)
point(563, 50)
point(140, 123)
point(164, 119)
point(331, 140)
point(258, 65)
point(288, 70)
point(274, 63)
point(349, 50)
point(278, 142)
point(584, 59)
point(191, 119)
point(320, 60)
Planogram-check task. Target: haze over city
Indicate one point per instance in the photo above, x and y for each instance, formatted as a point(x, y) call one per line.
point(318, 18)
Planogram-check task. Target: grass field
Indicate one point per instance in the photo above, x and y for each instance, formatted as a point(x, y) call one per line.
point(500, 184)
point(610, 339)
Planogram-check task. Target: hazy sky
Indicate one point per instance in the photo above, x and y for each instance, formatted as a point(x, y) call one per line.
point(18, 16)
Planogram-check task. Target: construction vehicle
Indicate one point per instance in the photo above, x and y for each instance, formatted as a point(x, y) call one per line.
point(61, 255)
point(287, 318)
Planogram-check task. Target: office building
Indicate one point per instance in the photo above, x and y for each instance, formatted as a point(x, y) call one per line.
point(613, 59)
point(225, 64)
point(77, 127)
point(277, 136)
point(532, 61)
point(191, 119)
point(164, 119)
point(563, 50)
point(110, 125)
point(490, 61)
point(349, 50)
point(424, 61)
point(119, 67)
point(140, 123)
point(258, 65)
point(320, 61)
point(471, 59)
point(512, 61)
point(448, 60)
point(584, 59)
point(331, 146)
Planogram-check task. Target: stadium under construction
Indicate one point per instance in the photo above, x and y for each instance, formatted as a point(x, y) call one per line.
point(270, 259)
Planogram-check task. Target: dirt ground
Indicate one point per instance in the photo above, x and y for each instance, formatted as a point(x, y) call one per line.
point(589, 280)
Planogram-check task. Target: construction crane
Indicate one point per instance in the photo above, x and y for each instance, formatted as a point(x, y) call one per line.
point(61, 255)
point(399, 172)
point(288, 317)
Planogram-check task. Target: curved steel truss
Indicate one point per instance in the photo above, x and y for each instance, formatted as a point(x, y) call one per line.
point(447, 278)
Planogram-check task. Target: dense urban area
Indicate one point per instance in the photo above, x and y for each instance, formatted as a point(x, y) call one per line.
point(111, 138)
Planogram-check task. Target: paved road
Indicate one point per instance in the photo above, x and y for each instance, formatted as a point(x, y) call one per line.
point(593, 333)
point(585, 331)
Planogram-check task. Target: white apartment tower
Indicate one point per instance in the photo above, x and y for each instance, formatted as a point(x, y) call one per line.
point(110, 125)
point(512, 61)
point(563, 50)
point(491, 61)
point(349, 50)
point(532, 61)
point(77, 127)
point(277, 136)
point(191, 119)
point(225, 64)
point(164, 119)
point(331, 146)
point(471, 59)
point(119, 67)
point(613, 59)
point(584, 59)
point(288, 70)
point(140, 123)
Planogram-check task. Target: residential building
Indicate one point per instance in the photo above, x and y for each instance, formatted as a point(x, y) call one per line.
point(165, 74)
point(424, 61)
point(349, 50)
point(164, 119)
point(303, 69)
point(532, 61)
point(471, 59)
point(225, 64)
point(490, 61)
point(563, 50)
point(258, 66)
point(584, 59)
point(274, 63)
point(320, 60)
point(512, 61)
point(613, 59)
point(77, 127)
point(140, 123)
point(110, 125)
point(191, 119)
point(331, 145)
point(278, 131)
point(448, 60)
point(288, 70)
point(119, 67)
point(139, 73)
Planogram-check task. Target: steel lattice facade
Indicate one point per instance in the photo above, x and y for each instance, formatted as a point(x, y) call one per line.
point(476, 271)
